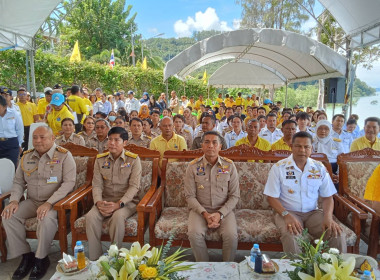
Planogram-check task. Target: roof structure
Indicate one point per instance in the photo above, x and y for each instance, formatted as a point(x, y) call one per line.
point(294, 56)
point(360, 20)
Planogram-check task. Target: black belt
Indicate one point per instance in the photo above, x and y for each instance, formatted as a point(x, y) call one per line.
point(6, 139)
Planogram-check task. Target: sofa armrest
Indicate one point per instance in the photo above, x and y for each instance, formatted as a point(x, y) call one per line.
point(61, 204)
point(361, 204)
point(362, 215)
point(141, 207)
point(155, 200)
point(3, 197)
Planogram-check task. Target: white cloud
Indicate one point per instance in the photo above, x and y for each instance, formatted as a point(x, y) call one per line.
point(371, 77)
point(208, 20)
point(153, 30)
point(236, 23)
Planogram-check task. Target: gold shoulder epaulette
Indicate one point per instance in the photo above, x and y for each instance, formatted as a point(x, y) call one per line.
point(59, 137)
point(102, 155)
point(148, 137)
point(132, 155)
point(337, 140)
point(62, 150)
point(76, 135)
point(81, 132)
point(28, 151)
point(186, 130)
point(194, 161)
point(227, 159)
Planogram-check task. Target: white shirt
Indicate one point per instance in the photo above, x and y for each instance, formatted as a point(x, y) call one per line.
point(231, 137)
point(132, 104)
point(271, 137)
point(11, 125)
point(222, 125)
point(119, 104)
point(346, 138)
point(299, 191)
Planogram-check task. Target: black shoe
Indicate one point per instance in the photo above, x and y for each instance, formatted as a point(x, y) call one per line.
point(39, 269)
point(25, 266)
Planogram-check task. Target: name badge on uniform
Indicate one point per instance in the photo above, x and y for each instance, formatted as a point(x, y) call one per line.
point(316, 176)
point(53, 162)
point(126, 164)
point(201, 170)
point(290, 175)
point(106, 165)
point(52, 180)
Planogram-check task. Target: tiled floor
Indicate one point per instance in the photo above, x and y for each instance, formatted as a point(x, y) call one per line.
point(7, 268)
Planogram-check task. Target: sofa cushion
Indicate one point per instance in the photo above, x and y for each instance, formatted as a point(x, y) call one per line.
point(254, 226)
point(358, 175)
point(252, 179)
point(81, 164)
point(146, 178)
point(130, 225)
point(175, 182)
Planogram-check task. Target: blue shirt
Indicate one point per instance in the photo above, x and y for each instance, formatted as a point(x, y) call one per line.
point(105, 107)
point(231, 137)
point(346, 138)
point(11, 125)
point(299, 191)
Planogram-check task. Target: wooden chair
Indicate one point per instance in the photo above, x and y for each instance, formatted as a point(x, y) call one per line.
point(135, 225)
point(355, 168)
point(169, 213)
point(84, 158)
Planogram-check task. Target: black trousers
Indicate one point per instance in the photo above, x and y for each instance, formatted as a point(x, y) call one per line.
point(10, 149)
point(26, 138)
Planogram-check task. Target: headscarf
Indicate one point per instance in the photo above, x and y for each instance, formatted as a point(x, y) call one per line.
point(145, 101)
point(146, 115)
point(326, 145)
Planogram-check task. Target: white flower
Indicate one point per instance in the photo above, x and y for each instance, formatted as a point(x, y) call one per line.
point(317, 240)
point(103, 259)
point(113, 251)
point(334, 251)
point(325, 256)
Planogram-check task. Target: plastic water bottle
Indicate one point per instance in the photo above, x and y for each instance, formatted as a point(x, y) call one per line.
point(366, 275)
point(255, 249)
point(259, 263)
point(78, 246)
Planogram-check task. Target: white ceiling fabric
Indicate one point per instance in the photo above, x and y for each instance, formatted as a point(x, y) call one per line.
point(244, 74)
point(22, 20)
point(296, 57)
point(359, 19)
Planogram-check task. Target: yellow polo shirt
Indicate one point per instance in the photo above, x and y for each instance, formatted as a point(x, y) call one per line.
point(362, 143)
point(218, 100)
point(198, 104)
point(280, 144)
point(41, 107)
point(77, 104)
point(248, 103)
point(176, 143)
point(261, 143)
point(27, 112)
point(239, 101)
point(267, 108)
point(55, 118)
point(229, 103)
point(372, 190)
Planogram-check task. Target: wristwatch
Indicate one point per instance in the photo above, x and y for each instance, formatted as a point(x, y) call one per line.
point(221, 215)
point(121, 204)
point(284, 213)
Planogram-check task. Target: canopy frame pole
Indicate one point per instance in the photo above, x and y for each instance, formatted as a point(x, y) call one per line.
point(33, 73)
point(286, 94)
point(27, 70)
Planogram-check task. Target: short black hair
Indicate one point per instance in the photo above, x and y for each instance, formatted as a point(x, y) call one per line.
point(67, 119)
point(338, 115)
point(3, 101)
point(179, 116)
point(351, 121)
point(237, 117)
point(119, 130)
point(302, 116)
point(288, 122)
point(120, 118)
point(262, 108)
point(207, 115)
point(104, 115)
point(302, 134)
point(261, 117)
point(372, 119)
point(74, 89)
point(271, 115)
point(135, 119)
point(155, 112)
point(149, 121)
point(212, 132)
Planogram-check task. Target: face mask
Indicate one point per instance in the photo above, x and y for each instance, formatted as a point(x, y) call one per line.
point(111, 118)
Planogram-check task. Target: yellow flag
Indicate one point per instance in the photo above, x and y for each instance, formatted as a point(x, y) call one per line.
point(75, 56)
point(204, 78)
point(144, 65)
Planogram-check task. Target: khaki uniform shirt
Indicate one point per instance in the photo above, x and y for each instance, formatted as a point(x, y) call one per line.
point(117, 179)
point(142, 141)
point(94, 142)
point(87, 137)
point(185, 133)
point(212, 188)
point(156, 130)
point(48, 178)
point(197, 142)
point(74, 138)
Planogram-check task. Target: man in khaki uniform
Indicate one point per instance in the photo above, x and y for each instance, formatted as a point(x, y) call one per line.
point(115, 184)
point(208, 124)
point(48, 172)
point(212, 192)
point(136, 135)
point(99, 142)
point(179, 122)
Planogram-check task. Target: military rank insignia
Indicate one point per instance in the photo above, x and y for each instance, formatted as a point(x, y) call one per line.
point(106, 165)
point(201, 170)
point(290, 175)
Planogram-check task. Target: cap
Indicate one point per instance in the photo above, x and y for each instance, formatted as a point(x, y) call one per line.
point(57, 86)
point(267, 101)
point(48, 89)
point(117, 93)
point(57, 91)
point(130, 92)
point(42, 95)
point(57, 99)
point(3, 90)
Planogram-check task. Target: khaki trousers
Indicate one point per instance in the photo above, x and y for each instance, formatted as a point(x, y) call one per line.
point(313, 222)
point(94, 222)
point(16, 232)
point(197, 229)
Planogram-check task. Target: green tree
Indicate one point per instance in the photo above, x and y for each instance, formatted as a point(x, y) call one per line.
point(99, 25)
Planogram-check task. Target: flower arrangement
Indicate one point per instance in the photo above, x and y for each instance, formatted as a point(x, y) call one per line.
point(141, 263)
point(319, 262)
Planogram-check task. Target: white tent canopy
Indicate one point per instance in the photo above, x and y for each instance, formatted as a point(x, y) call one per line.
point(244, 74)
point(359, 19)
point(22, 20)
point(296, 57)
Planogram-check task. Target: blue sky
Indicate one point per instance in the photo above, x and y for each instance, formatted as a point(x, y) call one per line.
point(181, 17)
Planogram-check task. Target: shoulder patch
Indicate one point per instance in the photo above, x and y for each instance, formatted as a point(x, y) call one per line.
point(227, 159)
point(194, 161)
point(337, 140)
point(28, 151)
point(132, 155)
point(62, 150)
point(102, 155)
